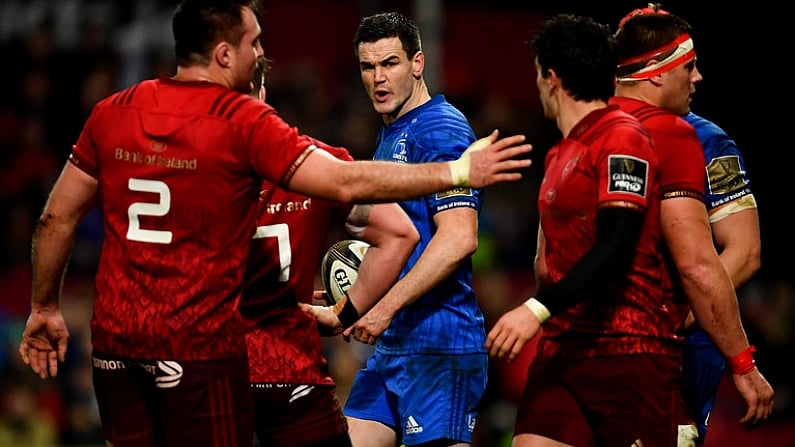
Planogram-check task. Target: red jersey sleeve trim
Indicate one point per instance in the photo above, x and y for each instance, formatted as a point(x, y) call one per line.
point(288, 175)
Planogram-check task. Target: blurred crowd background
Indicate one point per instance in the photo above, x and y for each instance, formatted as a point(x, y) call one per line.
point(61, 56)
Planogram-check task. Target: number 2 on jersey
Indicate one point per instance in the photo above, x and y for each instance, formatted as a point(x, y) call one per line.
point(161, 208)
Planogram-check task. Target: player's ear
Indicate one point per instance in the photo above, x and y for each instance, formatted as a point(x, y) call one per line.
point(656, 79)
point(553, 80)
point(222, 54)
point(418, 65)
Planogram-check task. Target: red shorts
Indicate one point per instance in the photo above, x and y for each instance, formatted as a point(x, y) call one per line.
point(150, 403)
point(289, 415)
point(610, 402)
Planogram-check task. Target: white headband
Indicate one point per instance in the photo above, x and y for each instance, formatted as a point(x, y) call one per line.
point(683, 51)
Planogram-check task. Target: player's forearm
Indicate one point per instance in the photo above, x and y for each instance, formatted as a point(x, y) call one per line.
point(52, 244)
point(379, 270)
point(380, 181)
point(438, 261)
point(714, 304)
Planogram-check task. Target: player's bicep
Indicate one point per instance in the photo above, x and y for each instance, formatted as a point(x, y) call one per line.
point(459, 227)
point(686, 230)
point(318, 175)
point(378, 223)
point(739, 244)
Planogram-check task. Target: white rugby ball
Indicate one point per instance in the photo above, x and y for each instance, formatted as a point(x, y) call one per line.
point(340, 267)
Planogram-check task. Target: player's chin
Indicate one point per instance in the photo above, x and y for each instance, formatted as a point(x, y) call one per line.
point(383, 107)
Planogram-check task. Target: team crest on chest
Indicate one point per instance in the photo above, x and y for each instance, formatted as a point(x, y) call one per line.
point(399, 152)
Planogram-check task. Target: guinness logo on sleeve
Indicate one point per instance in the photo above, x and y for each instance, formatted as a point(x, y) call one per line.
point(628, 174)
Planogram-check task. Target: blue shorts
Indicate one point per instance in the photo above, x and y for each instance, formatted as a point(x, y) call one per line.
point(703, 370)
point(422, 397)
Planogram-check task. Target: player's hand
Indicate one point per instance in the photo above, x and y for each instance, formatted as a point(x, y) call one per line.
point(758, 395)
point(320, 296)
point(328, 322)
point(44, 341)
point(489, 160)
point(511, 332)
point(370, 326)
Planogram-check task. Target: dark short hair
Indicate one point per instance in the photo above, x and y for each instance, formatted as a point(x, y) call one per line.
point(583, 53)
point(385, 25)
point(197, 25)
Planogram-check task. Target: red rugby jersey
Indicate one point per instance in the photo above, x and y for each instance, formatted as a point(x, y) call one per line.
point(608, 156)
point(284, 345)
point(682, 174)
point(179, 166)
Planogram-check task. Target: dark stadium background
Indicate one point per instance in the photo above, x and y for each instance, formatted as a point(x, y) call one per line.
point(61, 56)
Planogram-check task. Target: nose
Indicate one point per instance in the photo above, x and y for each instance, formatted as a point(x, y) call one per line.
point(380, 74)
point(697, 77)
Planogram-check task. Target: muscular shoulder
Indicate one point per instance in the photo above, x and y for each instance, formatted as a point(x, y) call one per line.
point(441, 128)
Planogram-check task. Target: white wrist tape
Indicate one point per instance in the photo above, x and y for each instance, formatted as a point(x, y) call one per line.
point(459, 169)
point(539, 310)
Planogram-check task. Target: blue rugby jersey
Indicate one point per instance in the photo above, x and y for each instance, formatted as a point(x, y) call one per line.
point(448, 319)
point(726, 175)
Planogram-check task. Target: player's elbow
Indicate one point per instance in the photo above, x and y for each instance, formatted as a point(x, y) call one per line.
point(754, 260)
point(468, 244)
point(405, 244)
point(410, 237)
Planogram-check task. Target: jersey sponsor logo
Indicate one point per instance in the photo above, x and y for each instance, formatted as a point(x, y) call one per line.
point(732, 198)
point(725, 175)
point(157, 146)
point(301, 391)
point(412, 427)
point(288, 206)
point(455, 204)
point(467, 192)
point(117, 365)
point(155, 159)
point(628, 174)
point(108, 365)
point(170, 374)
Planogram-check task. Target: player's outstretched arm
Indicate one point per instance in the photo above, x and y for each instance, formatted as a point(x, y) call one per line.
point(367, 181)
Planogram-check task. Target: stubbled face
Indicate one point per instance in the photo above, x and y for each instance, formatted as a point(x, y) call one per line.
point(245, 55)
point(679, 84)
point(389, 76)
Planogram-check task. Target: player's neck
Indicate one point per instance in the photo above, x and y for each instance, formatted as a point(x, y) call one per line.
point(196, 73)
point(572, 112)
point(635, 91)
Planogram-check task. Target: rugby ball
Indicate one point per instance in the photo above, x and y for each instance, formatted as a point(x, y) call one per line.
point(340, 267)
